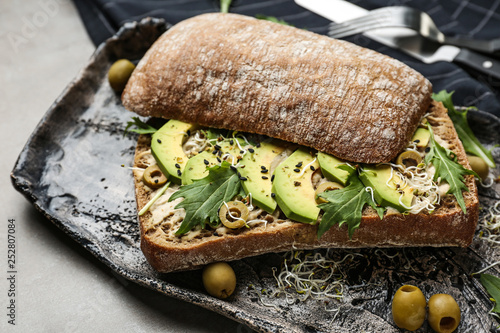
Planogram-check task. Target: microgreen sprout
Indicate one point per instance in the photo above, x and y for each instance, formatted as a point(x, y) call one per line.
point(310, 275)
point(153, 200)
point(307, 167)
point(488, 182)
point(370, 189)
point(490, 225)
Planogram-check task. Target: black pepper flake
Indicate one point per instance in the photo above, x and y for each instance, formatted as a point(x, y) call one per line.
point(265, 177)
point(296, 183)
point(251, 150)
point(299, 165)
point(296, 170)
point(257, 145)
point(217, 147)
point(428, 149)
point(312, 168)
point(219, 152)
point(233, 167)
point(158, 140)
point(206, 162)
point(239, 174)
point(242, 151)
point(273, 195)
point(243, 178)
point(177, 165)
point(214, 152)
point(188, 132)
point(272, 177)
point(416, 141)
point(264, 171)
point(263, 167)
point(219, 160)
point(231, 142)
point(156, 181)
point(179, 173)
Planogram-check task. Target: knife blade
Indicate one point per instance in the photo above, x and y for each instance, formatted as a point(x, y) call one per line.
point(405, 39)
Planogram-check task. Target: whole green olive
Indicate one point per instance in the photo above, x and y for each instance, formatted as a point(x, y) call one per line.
point(153, 177)
point(119, 73)
point(219, 279)
point(233, 214)
point(479, 166)
point(444, 313)
point(408, 307)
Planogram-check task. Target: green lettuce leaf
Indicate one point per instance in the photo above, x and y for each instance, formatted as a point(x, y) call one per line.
point(459, 118)
point(346, 206)
point(203, 198)
point(224, 5)
point(142, 127)
point(447, 167)
point(492, 285)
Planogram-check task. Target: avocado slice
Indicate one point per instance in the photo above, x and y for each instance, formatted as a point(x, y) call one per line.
point(166, 147)
point(255, 168)
point(293, 187)
point(383, 182)
point(196, 167)
point(330, 168)
point(422, 136)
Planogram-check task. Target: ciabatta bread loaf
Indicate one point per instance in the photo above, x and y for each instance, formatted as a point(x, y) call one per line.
point(240, 73)
point(448, 225)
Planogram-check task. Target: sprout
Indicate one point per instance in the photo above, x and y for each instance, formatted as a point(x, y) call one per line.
point(490, 225)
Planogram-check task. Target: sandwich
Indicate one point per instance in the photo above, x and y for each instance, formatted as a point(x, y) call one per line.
point(275, 138)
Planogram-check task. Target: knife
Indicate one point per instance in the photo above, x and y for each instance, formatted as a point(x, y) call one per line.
point(405, 39)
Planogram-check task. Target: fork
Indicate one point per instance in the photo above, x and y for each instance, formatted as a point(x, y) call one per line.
point(407, 17)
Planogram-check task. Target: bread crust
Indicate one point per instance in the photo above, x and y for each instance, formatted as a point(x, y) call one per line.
point(446, 226)
point(236, 72)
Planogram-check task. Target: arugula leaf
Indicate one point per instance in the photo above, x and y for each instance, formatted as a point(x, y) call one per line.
point(346, 206)
point(447, 167)
point(492, 285)
point(224, 6)
point(142, 127)
point(203, 198)
point(271, 19)
point(459, 118)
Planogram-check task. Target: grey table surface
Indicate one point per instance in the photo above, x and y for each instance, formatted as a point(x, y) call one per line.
point(59, 286)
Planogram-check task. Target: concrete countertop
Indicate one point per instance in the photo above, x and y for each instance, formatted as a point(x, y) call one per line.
point(59, 287)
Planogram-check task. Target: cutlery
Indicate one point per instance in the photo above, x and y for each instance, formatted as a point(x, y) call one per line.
point(408, 17)
point(405, 39)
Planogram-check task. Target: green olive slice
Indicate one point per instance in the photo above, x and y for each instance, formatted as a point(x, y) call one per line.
point(409, 158)
point(153, 177)
point(144, 159)
point(326, 186)
point(233, 214)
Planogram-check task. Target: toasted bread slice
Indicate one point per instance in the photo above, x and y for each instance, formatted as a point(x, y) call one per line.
point(166, 252)
point(240, 73)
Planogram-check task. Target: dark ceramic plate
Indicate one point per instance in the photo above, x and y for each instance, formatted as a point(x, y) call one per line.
point(71, 170)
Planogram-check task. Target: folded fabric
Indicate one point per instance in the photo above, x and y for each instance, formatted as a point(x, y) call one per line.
point(480, 19)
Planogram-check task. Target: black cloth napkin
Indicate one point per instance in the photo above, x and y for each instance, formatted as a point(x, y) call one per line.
point(479, 19)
